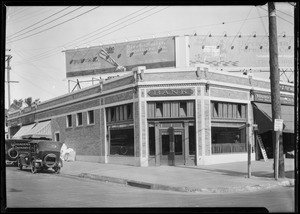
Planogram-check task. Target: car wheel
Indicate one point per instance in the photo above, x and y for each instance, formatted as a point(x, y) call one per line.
point(33, 167)
point(19, 164)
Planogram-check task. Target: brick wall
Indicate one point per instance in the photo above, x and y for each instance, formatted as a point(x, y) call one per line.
point(117, 83)
point(70, 97)
point(68, 108)
point(85, 140)
point(119, 97)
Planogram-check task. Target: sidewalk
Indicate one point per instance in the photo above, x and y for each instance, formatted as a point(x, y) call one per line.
point(218, 178)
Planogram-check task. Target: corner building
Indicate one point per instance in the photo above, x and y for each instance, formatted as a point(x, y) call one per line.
point(153, 117)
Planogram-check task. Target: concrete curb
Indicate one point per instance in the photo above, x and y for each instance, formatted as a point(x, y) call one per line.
point(153, 186)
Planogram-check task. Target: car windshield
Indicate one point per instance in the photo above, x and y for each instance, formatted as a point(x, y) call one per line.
point(49, 146)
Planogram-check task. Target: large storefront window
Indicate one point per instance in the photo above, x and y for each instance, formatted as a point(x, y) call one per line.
point(122, 142)
point(120, 113)
point(227, 118)
point(170, 109)
point(228, 140)
point(228, 110)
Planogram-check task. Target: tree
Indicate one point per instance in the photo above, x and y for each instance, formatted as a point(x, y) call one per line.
point(17, 104)
point(28, 101)
point(36, 101)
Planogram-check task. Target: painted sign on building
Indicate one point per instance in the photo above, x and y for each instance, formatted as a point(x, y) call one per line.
point(152, 53)
point(170, 92)
point(266, 98)
point(239, 51)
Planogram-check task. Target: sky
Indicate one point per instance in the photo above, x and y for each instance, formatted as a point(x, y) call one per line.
point(36, 36)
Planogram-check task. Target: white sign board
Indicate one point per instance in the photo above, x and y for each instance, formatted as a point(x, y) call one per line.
point(278, 125)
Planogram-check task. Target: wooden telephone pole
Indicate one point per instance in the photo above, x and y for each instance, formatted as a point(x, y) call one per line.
point(275, 93)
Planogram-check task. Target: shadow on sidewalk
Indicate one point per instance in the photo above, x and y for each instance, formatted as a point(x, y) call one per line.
point(266, 174)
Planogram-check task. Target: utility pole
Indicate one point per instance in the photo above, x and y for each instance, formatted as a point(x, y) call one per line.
point(8, 68)
point(275, 93)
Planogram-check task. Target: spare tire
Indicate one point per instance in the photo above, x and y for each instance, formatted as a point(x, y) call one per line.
point(13, 154)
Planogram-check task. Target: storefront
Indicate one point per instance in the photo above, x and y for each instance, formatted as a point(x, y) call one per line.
point(262, 110)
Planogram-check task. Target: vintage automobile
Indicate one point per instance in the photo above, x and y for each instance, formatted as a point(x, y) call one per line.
point(15, 147)
point(43, 155)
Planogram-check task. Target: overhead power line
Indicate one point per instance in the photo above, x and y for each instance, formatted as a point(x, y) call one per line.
point(13, 37)
point(76, 41)
point(17, 13)
point(120, 27)
point(277, 16)
point(128, 24)
point(285, 13)
point(32, 14)
point(241, 26)
point(38, 22)
point(54, 25)
point(54, 51)
point(116, 25)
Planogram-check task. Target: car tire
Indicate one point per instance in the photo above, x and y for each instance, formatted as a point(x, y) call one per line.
point(33, 167)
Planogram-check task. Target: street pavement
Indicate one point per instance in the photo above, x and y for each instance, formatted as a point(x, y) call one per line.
point(217, 178)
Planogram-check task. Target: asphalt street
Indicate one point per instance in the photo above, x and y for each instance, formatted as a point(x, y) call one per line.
point(27, 190)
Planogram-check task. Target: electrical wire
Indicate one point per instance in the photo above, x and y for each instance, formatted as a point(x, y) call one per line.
point(38, 69)
point(18, 13)
point(285, 13)
point(34, 84)
point(277, 15)
point(129, 24)
point(76, 40)
point(113, 23)
point(51, 53)
point(32, 14)
point(124, 26)
point(47, 54)
point(13, 37)
point(38, 22)
point(241, 26)
point(55, 25)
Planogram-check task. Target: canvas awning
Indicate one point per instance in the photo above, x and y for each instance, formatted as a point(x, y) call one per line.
point(23, 131)
point(263, 117)
point(40, 130)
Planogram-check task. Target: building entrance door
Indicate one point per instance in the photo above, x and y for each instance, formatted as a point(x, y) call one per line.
point(171, 147)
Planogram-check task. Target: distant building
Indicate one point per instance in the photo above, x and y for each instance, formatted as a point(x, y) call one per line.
point(173, 113)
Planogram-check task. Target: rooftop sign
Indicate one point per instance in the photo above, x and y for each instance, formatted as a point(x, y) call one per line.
point(152, 53)
point(239, 51)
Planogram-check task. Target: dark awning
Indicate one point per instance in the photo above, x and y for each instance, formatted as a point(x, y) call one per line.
point(263, 117)
point(40, 130)
point(23, 131)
